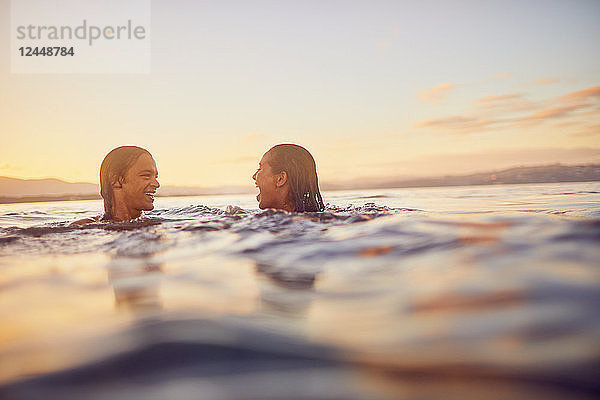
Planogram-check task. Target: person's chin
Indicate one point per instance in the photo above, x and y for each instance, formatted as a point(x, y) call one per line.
point(261, 205)
point(148, 207)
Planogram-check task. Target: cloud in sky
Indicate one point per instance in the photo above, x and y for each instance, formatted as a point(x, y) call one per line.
point(593, 92)
point(555, 112)
point(456, 123)
point(546, 81)
point(495, 99)
point(514, 111)
point(507, 103)
point(436, 93)
point(501, 76)
point(570, 104)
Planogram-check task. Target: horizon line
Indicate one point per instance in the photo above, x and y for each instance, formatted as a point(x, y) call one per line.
point(404, 178)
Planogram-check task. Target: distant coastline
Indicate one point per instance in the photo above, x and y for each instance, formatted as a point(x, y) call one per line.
point(555, 173)
point(41, 199)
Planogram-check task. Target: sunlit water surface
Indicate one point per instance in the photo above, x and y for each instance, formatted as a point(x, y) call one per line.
point(488, 291)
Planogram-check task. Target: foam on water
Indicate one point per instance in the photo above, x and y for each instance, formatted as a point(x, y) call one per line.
point(499, 284)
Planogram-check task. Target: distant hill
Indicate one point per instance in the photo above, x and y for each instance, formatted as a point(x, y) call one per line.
point(13, 187)
point(538, 174)
point(14, 190)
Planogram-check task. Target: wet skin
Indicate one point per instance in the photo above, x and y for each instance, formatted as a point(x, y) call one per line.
point(136, 191)
point(274, 189)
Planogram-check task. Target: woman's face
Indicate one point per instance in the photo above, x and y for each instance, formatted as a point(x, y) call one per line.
point(266, 182)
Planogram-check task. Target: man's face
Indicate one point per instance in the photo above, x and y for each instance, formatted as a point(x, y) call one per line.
point(265, 180)
point(140, 184)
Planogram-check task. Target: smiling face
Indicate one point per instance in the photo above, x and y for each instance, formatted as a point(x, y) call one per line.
point(137, 190)
point(287, 180)
point(266, 181)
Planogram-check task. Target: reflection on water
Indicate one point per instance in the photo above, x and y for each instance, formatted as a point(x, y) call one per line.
point(136, 284)
point(284, 297)
point(431, 293)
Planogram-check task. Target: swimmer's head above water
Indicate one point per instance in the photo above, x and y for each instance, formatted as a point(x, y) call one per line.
point(128, 183)
point(287, 180)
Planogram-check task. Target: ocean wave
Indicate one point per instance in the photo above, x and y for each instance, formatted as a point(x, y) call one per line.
point(242, 360)
point(403, 292)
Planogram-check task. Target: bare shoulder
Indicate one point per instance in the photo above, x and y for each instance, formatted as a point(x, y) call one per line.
point(84, 221)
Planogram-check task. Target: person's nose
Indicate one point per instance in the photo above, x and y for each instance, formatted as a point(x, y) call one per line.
point(254, 176)
point(156, 184)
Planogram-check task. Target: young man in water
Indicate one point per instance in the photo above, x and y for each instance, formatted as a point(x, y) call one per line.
point(128, 183)
point(287, 180)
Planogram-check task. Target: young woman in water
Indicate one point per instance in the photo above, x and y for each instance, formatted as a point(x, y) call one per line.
point(287, 180)
point(128, 183)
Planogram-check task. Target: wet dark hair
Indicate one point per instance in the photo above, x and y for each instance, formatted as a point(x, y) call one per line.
point(113, 169)
point(301, 170)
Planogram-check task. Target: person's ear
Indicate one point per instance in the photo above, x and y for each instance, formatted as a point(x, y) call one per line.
point(281, 179)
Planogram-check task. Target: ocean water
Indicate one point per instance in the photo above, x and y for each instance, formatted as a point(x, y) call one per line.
point(476, 292)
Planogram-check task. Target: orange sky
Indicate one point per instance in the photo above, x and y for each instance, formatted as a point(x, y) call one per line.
point(372, 90)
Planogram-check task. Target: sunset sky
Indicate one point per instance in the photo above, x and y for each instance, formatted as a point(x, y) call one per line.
point(371, 88)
